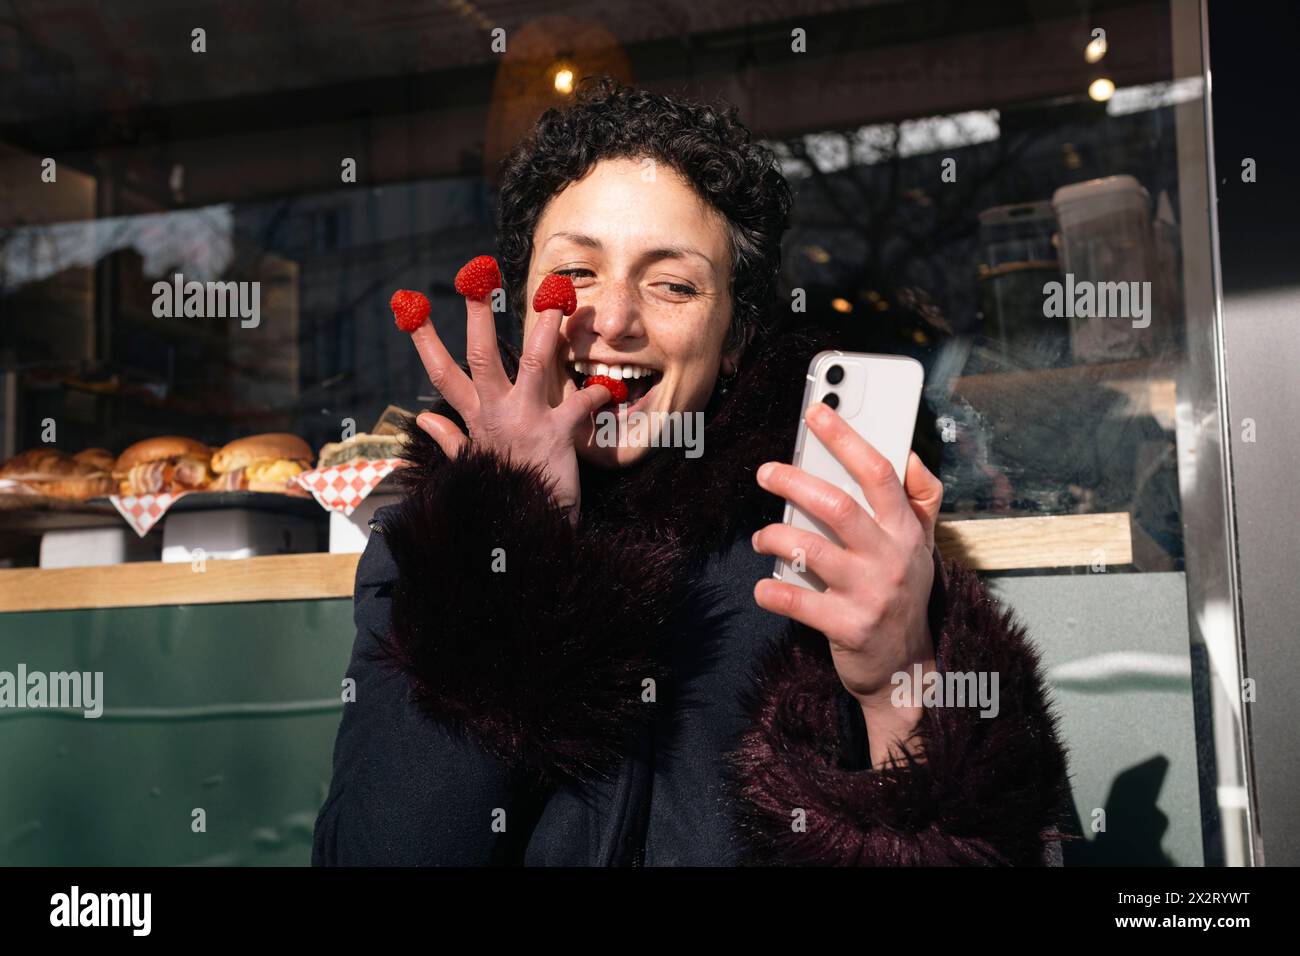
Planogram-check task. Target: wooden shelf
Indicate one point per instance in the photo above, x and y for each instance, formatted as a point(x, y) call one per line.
point(1053, 541)
point(989, 544)
point(282, 577)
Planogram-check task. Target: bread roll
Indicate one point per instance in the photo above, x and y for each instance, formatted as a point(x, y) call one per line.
point(274, 446)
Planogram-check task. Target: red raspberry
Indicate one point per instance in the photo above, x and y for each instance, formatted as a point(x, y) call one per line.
point(410, 309)
point(478, 278)
point(556, 292)
point(616, 386)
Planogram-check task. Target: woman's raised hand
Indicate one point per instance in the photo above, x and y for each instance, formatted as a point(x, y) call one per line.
point(874, 609)
point(514, 420)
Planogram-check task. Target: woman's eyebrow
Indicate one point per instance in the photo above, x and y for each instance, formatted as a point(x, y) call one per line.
point(674, 251)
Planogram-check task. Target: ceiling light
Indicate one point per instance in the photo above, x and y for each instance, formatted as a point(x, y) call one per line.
point(1101, 89)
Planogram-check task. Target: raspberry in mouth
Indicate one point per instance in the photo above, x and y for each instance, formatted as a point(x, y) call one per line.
point(617, 390)
point(637, 379)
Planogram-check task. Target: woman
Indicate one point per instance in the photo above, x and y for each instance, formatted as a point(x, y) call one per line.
point(571, 653)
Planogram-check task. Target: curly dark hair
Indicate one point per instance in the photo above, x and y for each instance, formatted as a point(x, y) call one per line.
point(707, 145)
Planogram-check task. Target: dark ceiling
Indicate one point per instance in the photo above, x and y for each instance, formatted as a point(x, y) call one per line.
point(413, 89)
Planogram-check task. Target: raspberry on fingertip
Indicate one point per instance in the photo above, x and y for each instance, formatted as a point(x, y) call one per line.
point(410, 309)
point(556, 292)
point(617, 388)
point(478, 278)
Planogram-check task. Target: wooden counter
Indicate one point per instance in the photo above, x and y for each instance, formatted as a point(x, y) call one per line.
point(989, 544)
point(285, 577)
point(1052, 541)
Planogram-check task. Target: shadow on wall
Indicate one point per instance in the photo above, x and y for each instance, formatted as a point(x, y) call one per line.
point(1132, 827)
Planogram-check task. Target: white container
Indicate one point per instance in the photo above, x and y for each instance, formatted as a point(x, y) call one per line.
point(349, 533)
point(1105, 230)
point(228, 533)
point(93, 547)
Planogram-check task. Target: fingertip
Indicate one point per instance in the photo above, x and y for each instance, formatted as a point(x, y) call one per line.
point(917, 470)
point(819, 414)
point(581, 405)
point(765, 594)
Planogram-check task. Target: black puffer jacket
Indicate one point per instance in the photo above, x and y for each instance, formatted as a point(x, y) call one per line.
point(615, 697)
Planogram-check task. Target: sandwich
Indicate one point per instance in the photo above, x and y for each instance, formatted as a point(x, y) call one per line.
point(262, 463)
point(361, 446)
point(55, 474)
point(101, 458)
point(168, 464)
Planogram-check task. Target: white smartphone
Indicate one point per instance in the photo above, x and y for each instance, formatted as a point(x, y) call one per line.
point(878, 395)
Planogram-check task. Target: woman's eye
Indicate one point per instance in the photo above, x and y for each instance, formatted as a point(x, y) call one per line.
point(574, 273)
point(680, 289)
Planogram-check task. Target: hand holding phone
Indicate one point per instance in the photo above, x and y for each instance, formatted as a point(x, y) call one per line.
point(856, 547)
point(878, 396)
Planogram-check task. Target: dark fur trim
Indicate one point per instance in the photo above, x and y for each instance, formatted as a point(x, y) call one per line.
point(986, 790)
point(541, 667)
point(706, 500)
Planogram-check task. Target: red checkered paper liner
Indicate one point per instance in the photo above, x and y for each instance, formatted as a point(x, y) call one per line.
point(142, 512)
point(342, 487)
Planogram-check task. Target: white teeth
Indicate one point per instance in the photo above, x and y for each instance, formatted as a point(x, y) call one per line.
point(616, 372)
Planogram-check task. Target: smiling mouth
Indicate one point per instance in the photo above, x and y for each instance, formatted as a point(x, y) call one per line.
point(639, 379)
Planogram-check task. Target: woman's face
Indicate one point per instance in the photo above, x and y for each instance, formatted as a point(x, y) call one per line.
point(651, 265)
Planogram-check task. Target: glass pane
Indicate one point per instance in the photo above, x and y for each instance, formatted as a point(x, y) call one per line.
point(1018, 195)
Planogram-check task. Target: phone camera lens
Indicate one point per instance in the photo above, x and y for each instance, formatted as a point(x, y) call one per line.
point(832, 399)
point(835, 375)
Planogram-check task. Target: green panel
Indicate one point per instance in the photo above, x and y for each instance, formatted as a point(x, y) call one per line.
point(234, 708)
point(1116, 651)
point(231, 708)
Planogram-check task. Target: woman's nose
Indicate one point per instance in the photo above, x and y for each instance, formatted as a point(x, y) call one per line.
point(617, 314)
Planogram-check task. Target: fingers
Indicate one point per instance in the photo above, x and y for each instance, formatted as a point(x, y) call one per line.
point(835, 566)
point(578, 408)
point(815, 609)
point(869, 468)
point(924, 494)
point(481, 351)
point(837, 510)
point(444, 374)
point(538, 355)
point(444, 431)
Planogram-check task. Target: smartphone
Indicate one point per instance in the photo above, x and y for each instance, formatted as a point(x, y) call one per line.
point(879, 396)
